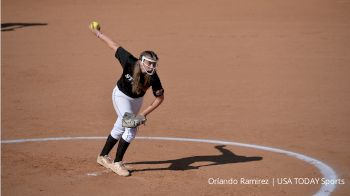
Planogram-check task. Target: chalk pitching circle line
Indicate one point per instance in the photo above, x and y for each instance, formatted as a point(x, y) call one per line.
point(326, 171)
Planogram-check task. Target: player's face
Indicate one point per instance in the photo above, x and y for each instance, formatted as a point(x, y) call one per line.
point(149, 66)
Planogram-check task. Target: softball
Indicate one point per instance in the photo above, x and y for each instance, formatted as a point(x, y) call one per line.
point(95, 25)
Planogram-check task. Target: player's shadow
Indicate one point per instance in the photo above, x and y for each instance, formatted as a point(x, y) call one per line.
point(17, 25)
point(226, 157)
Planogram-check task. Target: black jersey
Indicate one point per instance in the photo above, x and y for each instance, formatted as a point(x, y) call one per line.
point(128, 62)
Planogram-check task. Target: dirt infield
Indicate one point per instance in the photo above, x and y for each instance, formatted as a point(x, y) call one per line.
point(270, 73)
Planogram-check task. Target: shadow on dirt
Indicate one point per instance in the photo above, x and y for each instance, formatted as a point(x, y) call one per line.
point(226, 157)
point(17, 25)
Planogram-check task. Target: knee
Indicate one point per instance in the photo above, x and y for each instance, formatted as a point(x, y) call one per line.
point(117, 131)
point(116, 135)
point(129, 135)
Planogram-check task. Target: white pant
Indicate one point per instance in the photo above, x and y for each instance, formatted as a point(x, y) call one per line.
point(123, 103)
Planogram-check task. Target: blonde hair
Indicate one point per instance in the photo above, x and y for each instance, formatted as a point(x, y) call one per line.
point(141, 82)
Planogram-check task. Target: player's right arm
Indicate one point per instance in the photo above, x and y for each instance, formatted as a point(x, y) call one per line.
point(110, 43)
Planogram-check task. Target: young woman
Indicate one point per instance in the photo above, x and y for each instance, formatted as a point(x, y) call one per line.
point(138, 75)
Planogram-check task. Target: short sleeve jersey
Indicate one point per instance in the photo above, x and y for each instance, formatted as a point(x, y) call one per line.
point(128, 62)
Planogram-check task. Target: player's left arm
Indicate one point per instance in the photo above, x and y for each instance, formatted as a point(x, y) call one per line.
point(157, 101)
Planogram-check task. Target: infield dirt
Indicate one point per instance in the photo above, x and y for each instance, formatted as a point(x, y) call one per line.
point(272, 73)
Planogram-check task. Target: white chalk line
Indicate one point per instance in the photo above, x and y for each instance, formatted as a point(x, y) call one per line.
point(326, 171)
point(98, 173)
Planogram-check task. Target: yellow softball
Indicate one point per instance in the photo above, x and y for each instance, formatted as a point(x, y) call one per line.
point(95, 25)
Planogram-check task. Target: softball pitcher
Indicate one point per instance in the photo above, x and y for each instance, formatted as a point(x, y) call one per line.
point(138, 75)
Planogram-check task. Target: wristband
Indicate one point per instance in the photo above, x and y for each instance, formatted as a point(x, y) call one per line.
point(98, 34)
